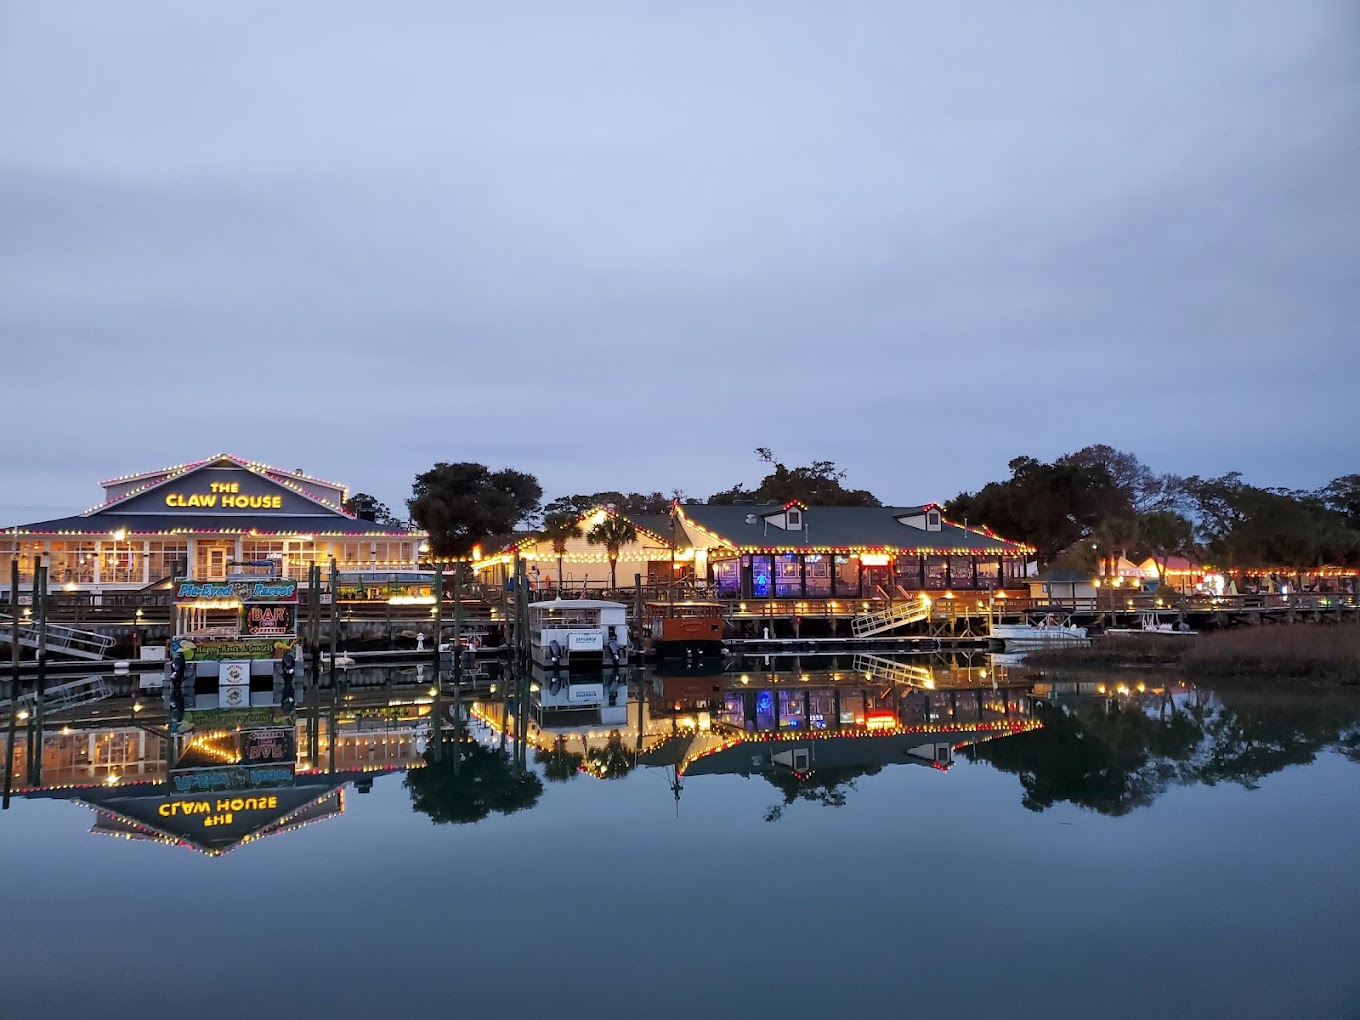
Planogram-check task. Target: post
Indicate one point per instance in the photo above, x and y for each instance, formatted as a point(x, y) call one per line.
point(436, 723)
point(335, 636)
point(13, 676)
point(35, 745)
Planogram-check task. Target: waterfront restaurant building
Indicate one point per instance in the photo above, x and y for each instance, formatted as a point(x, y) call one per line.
point(795, 551)
point(204, 516)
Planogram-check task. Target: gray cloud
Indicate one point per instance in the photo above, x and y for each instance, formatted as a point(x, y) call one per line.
point(621, 245)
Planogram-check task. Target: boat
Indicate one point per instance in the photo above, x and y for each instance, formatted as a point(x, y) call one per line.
point(582, 631)
point(687, 630)
point(1039, 630)
point(1152, 622)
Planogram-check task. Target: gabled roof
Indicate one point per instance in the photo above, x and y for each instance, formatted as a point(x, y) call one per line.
point(156, 480)
point(177, 469)
point(839, 528)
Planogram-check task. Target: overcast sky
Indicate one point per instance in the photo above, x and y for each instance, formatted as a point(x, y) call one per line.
point(620, 245)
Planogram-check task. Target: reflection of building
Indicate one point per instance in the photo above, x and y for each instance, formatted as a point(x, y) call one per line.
point(205, 515)
point(119, 771)
point(799, 724)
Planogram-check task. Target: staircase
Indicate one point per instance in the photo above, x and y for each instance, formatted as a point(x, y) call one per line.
point(79, 644)
point(72, 694)
point(877, 667)
point(899, 615)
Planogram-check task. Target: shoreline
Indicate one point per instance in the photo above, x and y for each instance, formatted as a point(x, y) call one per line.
point(1301, 656)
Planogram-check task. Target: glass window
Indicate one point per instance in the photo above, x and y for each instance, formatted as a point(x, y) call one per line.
point(961, 571)
point(791, 714)
point(935, 571)
point(788, 575)
point(762, 577)
point(847, 576)
point(823, 714)
point(988, 572)
point(818, 570)
point(909, 571)
point(764, 710)
point(852, 707)
point(727, 577)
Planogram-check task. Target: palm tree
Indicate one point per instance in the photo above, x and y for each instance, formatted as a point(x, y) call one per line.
point(559, 529)
point(613, 532)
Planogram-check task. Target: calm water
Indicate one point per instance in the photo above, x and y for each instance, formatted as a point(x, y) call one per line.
point(1168, 852)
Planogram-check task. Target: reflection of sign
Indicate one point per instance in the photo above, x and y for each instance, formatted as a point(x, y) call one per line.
point(208, 649)
point(233, 684)
point(273, 745)
point(222, 718)
point(275, 589)
point(585, 694)
point(278, 619)
point(231, 777)
point(880, 720)
point(585, 641)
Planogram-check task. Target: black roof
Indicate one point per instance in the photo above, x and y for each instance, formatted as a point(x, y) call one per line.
point(841, 527)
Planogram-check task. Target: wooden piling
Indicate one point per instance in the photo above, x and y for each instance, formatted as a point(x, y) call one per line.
point(39, 693)
point(13, 677)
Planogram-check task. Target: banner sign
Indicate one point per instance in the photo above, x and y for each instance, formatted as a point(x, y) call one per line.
point(214, 649)
point(233, 777)
point(277, 619)
point(273, 589)
point(227, 718)
point(275, 745)
point(585, 641)
point(586, 694)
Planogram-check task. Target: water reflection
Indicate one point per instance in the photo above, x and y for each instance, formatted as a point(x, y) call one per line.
point(1116, 747)
point(809, 727)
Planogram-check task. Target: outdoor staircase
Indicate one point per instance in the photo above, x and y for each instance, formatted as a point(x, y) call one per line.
point(79, 644)
point(72, 694)
point(877, 667)
point(896, 616)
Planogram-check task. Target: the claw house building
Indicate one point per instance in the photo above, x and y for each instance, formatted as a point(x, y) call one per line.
point(204, 516)
point(798, 552)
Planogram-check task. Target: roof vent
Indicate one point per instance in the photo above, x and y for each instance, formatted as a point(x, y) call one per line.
point(750, 518)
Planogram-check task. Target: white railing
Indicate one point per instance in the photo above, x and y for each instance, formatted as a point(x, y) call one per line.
point(83, 644)
point(875, 667)
point(897, 616)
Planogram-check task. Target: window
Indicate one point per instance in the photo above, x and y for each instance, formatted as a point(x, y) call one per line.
point(933, 520)
point(762, 577)
point(818, 571)
point(789, 576)
point(795, 518)
point(727, 577)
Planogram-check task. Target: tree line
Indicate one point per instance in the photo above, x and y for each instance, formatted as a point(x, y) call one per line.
point(1085, 508)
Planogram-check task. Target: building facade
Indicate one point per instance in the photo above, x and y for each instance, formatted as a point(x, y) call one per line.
point(197, 520)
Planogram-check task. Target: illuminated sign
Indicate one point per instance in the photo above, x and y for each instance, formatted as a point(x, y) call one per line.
point(880, 720)
point(270, 619)
point(223, 718)
point(874, 559)
point(278, 589)
point(227, 495)
point(209, 649)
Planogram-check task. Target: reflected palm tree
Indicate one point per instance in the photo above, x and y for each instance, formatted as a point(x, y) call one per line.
point(612, 761)
point(559, 764)
point(467, 782)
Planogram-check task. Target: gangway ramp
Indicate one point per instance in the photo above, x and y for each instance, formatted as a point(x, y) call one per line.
point(61, 640)
point(876, 667)
point(900, 615)
point(72, 694)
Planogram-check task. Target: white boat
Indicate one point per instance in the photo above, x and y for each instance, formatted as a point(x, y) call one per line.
point(1151, 622)
point(564, 631)
point(1045, 631)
